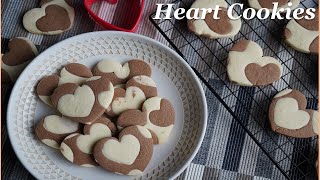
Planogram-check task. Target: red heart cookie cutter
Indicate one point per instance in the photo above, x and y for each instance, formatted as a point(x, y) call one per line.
point(131, 21)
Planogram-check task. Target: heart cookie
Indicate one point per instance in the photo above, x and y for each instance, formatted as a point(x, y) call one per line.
point(145, 83)
point(160, 118)
point(20, 52)
point(130, 118)
point(120, 74)
point(54, 17)
point(133, 99)
point(303, 34)
point(129, 155)
point(210, 27)
point(259, 4)
point(84, 103)
point(248, 67)
point(52, 130)
point(77, 148)
point(288, 115)
point(71, 73)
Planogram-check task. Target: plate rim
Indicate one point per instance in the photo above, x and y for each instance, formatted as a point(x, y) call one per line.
point(114, 33)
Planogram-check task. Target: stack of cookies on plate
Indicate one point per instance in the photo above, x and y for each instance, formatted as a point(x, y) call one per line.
point(110, 116)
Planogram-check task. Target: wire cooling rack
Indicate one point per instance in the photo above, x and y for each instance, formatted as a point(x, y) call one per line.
point(295, 158)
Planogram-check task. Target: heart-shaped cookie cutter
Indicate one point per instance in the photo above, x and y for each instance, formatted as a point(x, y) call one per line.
point(134, 21)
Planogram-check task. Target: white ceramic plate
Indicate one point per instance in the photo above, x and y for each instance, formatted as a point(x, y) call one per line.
point(176, 82)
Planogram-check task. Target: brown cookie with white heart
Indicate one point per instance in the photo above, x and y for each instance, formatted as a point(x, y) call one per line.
point(248, 67)
point(303, 34)
point(131, 117)
point(78, 148)
point(19, 54)
point(71, 73)
point(132, 99)
point(85, 103)
point(145, 83)
point(53, 17)
point(288, 115)
point(160, 118)
point(129, 155)
point(213, 28)
point(120, 74)
point(52, 130)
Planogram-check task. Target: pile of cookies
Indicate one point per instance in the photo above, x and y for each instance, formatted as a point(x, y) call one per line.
point(110, 116)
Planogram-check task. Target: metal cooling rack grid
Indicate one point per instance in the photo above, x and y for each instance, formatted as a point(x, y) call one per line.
point(295, 158)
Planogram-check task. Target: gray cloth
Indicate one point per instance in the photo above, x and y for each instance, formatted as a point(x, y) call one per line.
point(227, 152)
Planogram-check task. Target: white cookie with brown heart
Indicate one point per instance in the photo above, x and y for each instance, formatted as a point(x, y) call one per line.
point(160, 118)
point(145, 83)
point(132, 99)
point(84, 103)
point(19, 54)
point(52, 130)
point(77, 148)
point(210, 27)
point(71, 73)
point(288, 115)
point(303, 34)
point(129, 155)
point(248, 67)
point(120, 74)
point(54, 17)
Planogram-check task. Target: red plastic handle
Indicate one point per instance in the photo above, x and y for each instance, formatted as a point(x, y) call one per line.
point(107, 25)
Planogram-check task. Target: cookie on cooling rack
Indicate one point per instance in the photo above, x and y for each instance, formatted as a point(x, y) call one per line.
point(303, 34)
point(214, 28)
point(248, 67)
point(288, 115)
